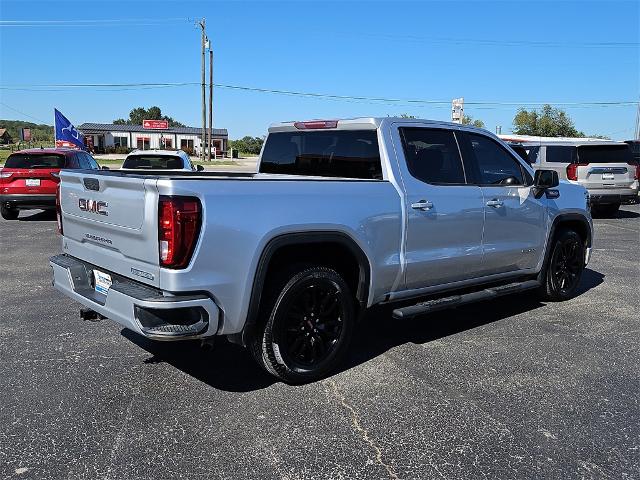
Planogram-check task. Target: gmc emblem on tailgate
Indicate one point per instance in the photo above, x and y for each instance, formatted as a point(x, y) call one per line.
point(93, 206)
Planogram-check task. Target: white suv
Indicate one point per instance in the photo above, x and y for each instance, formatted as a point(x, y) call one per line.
point(175, 160)
point(605, 168)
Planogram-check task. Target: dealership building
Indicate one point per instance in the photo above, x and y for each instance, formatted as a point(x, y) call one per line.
point(102, 137)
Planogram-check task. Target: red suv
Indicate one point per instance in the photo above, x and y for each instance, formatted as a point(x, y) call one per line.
point(29, 178)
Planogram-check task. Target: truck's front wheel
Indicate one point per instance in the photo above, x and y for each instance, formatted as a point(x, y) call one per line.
point(564, 270)
point(309, 323)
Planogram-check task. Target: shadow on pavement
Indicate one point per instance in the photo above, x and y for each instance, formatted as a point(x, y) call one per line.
point(230, 367)
point(627, 214)
point(40, 216)
point(226, 366)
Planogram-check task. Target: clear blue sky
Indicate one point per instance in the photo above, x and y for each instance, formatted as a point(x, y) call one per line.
point(518, 51)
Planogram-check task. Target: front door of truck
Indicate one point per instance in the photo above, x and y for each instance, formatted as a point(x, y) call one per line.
point(444, 214)
point(515, 227)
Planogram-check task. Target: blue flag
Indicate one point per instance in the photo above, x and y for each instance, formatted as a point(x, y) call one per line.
point(66, 133)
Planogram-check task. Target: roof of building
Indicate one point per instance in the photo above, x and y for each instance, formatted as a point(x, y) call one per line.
point(2, 131)
point(110, 127)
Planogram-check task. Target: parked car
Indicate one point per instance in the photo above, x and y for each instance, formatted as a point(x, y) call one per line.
point(341, 216)
point(159, 160)
point(635, 150)
point(30, 177)
point(606, 169)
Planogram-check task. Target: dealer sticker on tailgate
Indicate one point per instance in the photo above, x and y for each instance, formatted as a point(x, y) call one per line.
point(102, 281)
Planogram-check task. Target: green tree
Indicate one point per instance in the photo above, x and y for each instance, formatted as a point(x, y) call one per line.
point(468, 120)
point(406, 115)
point(251, 145)
point(39, 132)
point(547, 122)
point(137, 115)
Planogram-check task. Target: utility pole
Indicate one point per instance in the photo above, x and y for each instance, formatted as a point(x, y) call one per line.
point(210, 101)
point(637, 132)
point(201, 23)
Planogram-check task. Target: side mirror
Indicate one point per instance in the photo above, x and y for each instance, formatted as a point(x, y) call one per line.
point(546, 179)
point(104, 167)
point(199, 168)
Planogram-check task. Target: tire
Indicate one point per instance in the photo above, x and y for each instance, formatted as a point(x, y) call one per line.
point(609, 210)
point(308, 320)
point(564, 268)
point(9, 213)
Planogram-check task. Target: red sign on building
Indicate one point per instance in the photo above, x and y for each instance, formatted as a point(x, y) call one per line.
point(155, 124)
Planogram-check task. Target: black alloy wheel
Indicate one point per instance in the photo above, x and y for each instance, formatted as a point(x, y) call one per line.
point(309, 325)
point(312, 322)
point(565, 266)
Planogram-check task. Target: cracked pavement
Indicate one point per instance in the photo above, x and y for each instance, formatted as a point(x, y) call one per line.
point(509, 389)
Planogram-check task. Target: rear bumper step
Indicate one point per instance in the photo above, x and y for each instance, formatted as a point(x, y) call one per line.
point(153, 313)
point(457, 300)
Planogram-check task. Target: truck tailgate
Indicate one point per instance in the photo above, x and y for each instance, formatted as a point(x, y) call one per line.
point(111, 221)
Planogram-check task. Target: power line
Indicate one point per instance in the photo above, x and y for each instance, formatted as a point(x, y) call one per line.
point(492, 42)
point(93, 23)
point(480, 104)
point(22, 113)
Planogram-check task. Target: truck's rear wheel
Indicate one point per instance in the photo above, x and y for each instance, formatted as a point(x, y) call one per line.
point(565, 266)
point(309, 324)
point(9, 213)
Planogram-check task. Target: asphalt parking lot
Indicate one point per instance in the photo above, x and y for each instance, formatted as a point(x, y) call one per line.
point(511, 388)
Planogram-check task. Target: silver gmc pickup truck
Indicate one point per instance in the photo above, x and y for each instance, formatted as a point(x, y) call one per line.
point(342, 215)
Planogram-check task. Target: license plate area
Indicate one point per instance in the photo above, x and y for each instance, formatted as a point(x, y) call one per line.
point(101, 282)
point(32, 182)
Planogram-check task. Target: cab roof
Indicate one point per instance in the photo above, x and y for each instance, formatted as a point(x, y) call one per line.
point(361, 123)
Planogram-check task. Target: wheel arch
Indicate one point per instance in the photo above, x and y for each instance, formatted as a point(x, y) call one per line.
point(576, 222)
point(296, 241)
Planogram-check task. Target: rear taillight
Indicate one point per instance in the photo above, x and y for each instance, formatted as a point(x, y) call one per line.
point(179, 220)
point(55, 175)
point(572, 170)
point(58, 210)
point(4, 175)
point(636, 175)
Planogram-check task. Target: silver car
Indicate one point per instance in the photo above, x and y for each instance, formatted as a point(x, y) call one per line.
point(606, 169)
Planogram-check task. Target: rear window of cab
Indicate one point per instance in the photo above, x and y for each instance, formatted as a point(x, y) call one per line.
point(334, 153)
point(35, 160)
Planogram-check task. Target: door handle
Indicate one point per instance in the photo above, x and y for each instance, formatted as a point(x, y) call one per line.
point(495, 203)
point(422, 205)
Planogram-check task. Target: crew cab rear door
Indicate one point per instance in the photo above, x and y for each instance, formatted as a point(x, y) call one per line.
point(109, 219)
point(444, 216)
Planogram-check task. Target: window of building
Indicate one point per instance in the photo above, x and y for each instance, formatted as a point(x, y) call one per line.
point(186, 145)
point(167, 142)
point(143, 143)
point(121, 142)
point(432, 155)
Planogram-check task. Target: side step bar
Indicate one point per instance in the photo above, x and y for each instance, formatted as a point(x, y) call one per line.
point(457, 300)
